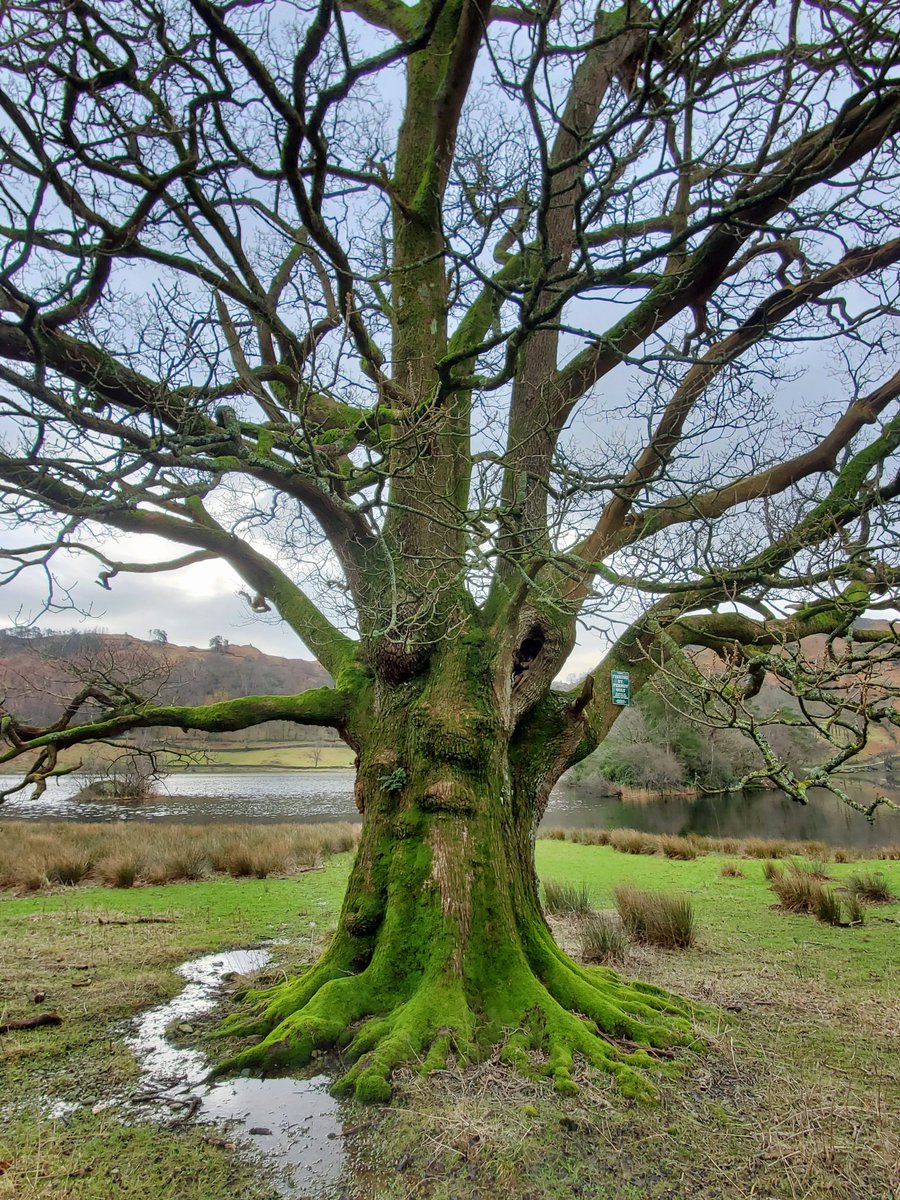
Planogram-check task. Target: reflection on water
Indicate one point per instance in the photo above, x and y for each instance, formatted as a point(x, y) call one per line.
point(198, 799)
point(309, 796)
point(758, 813)
point(294, 1122)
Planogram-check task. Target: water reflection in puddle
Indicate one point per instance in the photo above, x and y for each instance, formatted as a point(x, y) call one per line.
point(293, 1122)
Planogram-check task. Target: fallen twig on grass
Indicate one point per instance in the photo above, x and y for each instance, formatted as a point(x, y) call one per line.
point(31, 1022)
point(136, 920)
point(220, 1143)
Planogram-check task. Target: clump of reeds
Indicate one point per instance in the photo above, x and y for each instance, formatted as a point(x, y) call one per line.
point(845, 854)
point(725, 845)
point(679, 847)
point(590, 837)
point(856, 914)
point(566, 898)
point(870, 887)
point(125, 854)
point(732, 871)
point(603, 938)
point(765, 848)
point(632, 841)
point(797, 889)
point(120, 871)
point(69, 869)
point(826, 904)
point(816, 868)
point(656, 918)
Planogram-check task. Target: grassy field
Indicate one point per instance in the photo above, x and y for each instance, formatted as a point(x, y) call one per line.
point(794, 1096)
point(272, 756)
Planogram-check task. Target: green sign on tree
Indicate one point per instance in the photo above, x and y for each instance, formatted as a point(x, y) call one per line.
point(620, 684)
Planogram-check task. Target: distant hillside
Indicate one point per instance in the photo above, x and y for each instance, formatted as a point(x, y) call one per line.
point(39, 672)
point(884, 739)
point(656, 745)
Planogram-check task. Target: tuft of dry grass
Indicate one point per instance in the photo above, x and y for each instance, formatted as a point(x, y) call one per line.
point(145, 852)
point(589, 837)
point(765, 848)
point(827, 906)
point(68, 869)
point(870, 887)
point(636, 841)
point(656, 918)
point(846, 854)
point(566, 898)
point(603, 938)
point(632, 841)
point(732, 871)
point(797, 891)
point(121, 870)
point(679, 847)
point(856, 914)
point(815, 867)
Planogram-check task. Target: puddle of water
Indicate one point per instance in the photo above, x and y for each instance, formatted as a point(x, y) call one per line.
point(294, 1123)
point(60, 1110)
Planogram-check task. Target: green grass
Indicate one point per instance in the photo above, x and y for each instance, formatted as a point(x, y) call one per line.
point(735, 916)
point(272, 757)
point(791, 1097)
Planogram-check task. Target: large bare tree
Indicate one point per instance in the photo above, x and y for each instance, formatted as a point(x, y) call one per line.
point(448, 326)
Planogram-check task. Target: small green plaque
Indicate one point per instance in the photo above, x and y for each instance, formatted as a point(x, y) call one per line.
point(620, 683)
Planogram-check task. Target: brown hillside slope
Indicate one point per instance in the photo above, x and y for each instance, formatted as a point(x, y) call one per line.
point(38, 673)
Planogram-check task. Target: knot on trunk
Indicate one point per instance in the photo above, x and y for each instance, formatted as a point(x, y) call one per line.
point(447, 795)
point(398, 661)
point(359, 794)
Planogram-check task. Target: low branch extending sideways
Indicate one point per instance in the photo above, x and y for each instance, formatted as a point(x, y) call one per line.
point(318, 706)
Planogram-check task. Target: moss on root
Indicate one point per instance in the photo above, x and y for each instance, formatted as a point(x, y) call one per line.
point(547, 1014)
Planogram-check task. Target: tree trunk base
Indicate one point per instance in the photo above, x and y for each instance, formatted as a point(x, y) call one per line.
point(543, 1010)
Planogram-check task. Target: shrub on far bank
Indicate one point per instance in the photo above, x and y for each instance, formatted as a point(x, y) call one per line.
point(637, 841)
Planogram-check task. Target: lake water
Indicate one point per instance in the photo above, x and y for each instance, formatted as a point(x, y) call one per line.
point(310, 796)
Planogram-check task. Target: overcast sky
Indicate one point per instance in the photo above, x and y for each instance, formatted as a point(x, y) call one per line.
point(191, 605)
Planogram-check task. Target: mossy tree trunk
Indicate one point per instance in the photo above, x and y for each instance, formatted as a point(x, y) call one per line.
point(442, 950)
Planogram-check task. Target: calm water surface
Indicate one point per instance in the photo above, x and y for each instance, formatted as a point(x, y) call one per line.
point(310, 796)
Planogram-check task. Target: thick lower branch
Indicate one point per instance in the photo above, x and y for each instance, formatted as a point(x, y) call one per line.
point(319, 706)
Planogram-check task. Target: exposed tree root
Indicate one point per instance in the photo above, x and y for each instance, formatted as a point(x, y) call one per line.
point(544, 1009)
